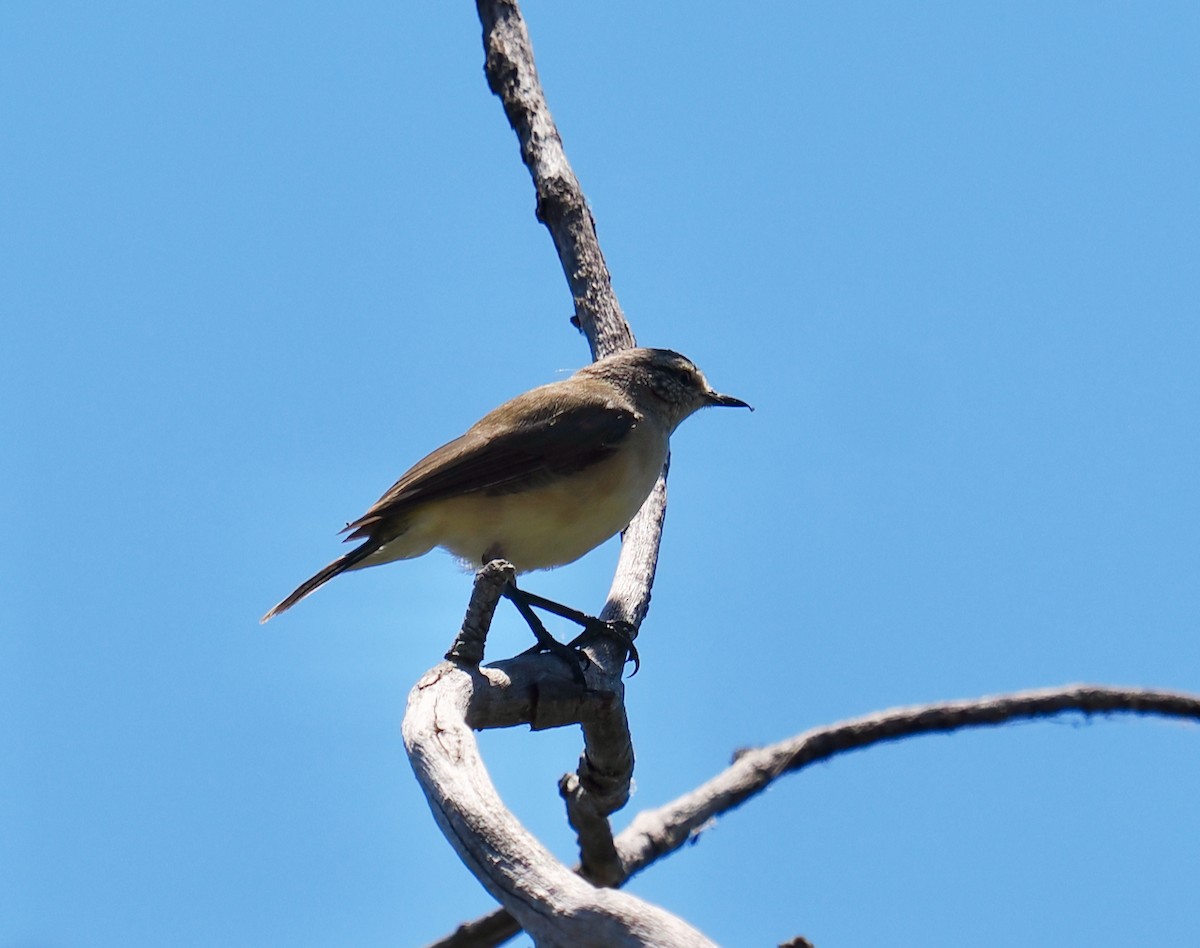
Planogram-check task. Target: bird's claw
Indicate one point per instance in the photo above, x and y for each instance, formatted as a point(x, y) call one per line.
point(617, 630)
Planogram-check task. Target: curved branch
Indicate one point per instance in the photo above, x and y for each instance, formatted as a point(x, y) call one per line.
point(601, 783)
point(445, 709)
point(451, 699)
point(656, 833)
point(600, 786)
point(553, 904)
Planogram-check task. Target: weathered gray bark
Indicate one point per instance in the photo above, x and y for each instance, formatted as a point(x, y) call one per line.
point(561, 206)
point(656, 833)
point(553, 904)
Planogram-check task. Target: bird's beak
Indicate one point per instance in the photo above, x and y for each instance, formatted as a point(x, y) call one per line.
point(727, 401)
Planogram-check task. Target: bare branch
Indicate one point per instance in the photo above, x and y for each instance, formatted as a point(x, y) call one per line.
point(657, 833)
point(494, 928)
point(489, 584)
point(654, 833)
point(601, 783)
point(629, 595)
point(533, 688)
point(600, 786)
point(587, 812)
point(458, 697)
point(552, 904)
point(561, 206)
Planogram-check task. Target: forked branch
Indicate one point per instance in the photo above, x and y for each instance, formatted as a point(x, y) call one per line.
point(556, 906)
point(446, 707)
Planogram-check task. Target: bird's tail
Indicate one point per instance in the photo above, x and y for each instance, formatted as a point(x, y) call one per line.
point(340, 565)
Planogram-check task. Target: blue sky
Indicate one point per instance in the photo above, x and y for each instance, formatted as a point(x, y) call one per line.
point(258, 258)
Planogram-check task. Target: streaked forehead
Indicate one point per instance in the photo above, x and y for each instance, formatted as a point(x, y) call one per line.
point(670, 359)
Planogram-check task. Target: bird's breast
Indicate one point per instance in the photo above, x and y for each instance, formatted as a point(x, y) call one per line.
point(556, 522)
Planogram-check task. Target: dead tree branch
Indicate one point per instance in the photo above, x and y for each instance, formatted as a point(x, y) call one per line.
point(552, 903)
point(454, 699)
point(561, 206)
point(656, 833)
point(550, 900)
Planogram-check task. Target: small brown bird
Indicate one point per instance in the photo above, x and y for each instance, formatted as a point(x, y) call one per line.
point(542, 479)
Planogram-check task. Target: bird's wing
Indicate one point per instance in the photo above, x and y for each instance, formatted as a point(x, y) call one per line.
point(555, 438)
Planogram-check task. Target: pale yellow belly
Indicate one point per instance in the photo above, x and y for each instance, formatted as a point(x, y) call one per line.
point(549, 526)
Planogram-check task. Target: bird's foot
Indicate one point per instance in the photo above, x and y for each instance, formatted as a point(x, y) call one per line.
point(576, 659)
point(619, 631)
point(623, 633)
point(546, 643)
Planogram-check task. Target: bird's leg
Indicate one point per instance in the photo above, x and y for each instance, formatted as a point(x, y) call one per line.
point(622, 632)
point(555, 608)
point(545, 641)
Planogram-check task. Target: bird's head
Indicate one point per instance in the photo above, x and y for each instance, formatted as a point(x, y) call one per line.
point(662, 381)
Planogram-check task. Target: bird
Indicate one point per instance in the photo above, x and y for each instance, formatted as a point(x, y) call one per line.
point(539, 481)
